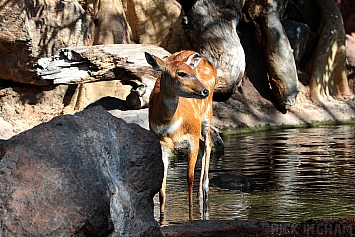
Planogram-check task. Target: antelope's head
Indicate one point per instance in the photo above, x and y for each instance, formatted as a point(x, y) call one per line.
point(178, 77)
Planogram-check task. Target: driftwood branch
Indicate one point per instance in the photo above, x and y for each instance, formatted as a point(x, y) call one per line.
point(124, 62)
point(101, 62)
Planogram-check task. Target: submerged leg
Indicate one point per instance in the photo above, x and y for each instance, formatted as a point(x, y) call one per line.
point(204, 180)
point(162, 191)
point(193, 152)
point(162, 199)
point(205, 184)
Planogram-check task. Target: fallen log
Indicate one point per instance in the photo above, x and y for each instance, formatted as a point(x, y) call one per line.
point(125, 62)
point(34, 29)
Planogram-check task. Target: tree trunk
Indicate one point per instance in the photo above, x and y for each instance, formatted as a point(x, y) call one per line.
point(279, 57)
point(328, 72)
point(210, 27)
point(112, 25)
point(156, 22)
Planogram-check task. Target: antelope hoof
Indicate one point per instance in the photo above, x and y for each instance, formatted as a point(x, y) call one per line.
point(163, 222)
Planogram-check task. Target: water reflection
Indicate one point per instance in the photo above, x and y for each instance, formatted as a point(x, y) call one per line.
point(301, 174)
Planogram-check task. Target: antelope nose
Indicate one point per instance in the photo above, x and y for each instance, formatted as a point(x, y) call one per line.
point(205, 92)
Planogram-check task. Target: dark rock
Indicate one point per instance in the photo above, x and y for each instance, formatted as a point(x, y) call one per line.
point(232, 228)
point(234, 182)
point(217, 143)
point(88, 174)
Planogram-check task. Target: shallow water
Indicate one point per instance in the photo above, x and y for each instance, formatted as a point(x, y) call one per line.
point(301, 174)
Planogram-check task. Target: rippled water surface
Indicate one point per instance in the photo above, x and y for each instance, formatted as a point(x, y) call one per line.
point(301, 174)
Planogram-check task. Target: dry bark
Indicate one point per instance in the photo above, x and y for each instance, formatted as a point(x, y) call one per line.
point(112, 25)
point(277, 50)
point(211, 28)
point(156, 22)
point(328, 71)
point(81, 65)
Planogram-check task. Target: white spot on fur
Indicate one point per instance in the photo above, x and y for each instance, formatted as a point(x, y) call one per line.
point(206, 185)
point(165, 158)
point(166, 129)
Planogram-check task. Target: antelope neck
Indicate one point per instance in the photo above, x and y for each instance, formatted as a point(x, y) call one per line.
point(169, 101)
point(168, 107)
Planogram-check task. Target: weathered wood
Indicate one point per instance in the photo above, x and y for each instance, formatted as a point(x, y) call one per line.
point(33, 29)
point(125, 62)
point(100, 62)
point(281, 67)
point(328, 71)
point(279, 56)
point(211, 28)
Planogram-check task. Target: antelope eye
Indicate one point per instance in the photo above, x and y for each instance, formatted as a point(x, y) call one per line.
point(181, 74)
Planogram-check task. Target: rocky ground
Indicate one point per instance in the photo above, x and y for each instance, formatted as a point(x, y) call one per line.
point(25, 106)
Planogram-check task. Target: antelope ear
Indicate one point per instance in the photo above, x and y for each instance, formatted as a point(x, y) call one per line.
point(154, 61)
point(194, 60)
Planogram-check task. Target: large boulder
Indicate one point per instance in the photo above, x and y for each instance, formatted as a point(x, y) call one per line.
point(88, 174)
